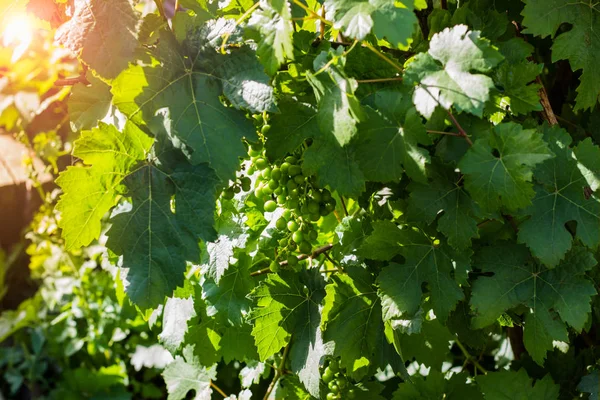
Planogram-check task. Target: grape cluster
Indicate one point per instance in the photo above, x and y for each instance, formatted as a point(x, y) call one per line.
point(339, 387)
point(285, 185)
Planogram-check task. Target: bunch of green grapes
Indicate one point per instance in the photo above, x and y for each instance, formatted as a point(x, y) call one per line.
point(285, 185)
point(339, 387)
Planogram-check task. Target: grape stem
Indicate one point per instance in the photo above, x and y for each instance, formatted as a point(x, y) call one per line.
point(279, 372)
point(461, 131)
point(344, 206)
point(301, 257)
point(469, 357)
point(218, 389)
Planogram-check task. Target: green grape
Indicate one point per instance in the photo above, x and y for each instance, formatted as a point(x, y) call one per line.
point(331, 396)
point(254, 153)
point(313, 207)
point(284, 168)
point(304, 247)
point(261, 163)
point(273, 184)
point(292, 226)
point(266, 191)
point(293, 204)
point(313, 235)
point(281, 199)
point(326, 195)
point(283, 242)
point(299, 179)
point(315, 217)
point(276, 173)
point(334, 365)
point(291, 185)
point(329, 207)
point(274, 266)
point(294, 193)
point(295, 170)
point(291, 159)
point(291, 245)
point(281, 224)
point(265, 129)
point(292, 261)
point(266, 173)
point(333, 387)
point(317, 196)
point(287, 214)
point(228, 193)
point(298, 236)
point(323, 210)
point(327, 375)
point(237, 189)
point(245, 187)
point(258, 192)
point(251, 170)
point(304, 209)
point(270, 206)
point(341, 382)
point(278, 191)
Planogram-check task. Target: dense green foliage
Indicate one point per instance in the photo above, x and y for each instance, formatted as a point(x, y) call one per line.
point(338, 199)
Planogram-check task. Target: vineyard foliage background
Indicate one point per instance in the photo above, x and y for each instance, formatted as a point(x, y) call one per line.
point(303, 199)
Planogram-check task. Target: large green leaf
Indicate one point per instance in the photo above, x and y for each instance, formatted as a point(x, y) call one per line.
point(445, 75)
point(519, 280)
point(185, 374)
point(561, 197)
point(183, 94)
point(91, 191)
point(288, 312)
point(352, 321)
point(434, 386)
point(498, 168)
point(103, 34)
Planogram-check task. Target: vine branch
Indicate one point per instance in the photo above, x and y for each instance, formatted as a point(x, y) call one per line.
point(469, 357)
point(461, 131)
point(218, 389)
point(279, 372)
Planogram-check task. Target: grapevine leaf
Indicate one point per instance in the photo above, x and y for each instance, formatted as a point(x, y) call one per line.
point(288, 305)
point(352, 321)
point(187, 97)
point(514, 80)
point(394, 21)
point(339, 110)
point(482, 15)
point(510, 385)
point(90, 192)
point(443, 76)
point(457, 222)
point(185, 374)
point(154, 356)
point(400, 284)
point(206, 340)
point(519, 280)
point(176, 314)
point(385, 241)
point(560, 198)
point(227, 300)
point(155, 242)
point(251, 373)
point(498, 168)
point(388, 147)
point(296, 123)
point(238, 344)
point(334, 166)
point(274, 22)
point(434, 386)
point(89, 104)
point(244, 81)
point(580, 45)
point(104, 34)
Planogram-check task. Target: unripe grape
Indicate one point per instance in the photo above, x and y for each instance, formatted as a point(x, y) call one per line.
point(298, 236)
point(228, 193)
point(292, 226)
point(291, 160)
point(261, 163)
point(276, 173)
point(273, 184)
point(304, 247)
point(313, 207)
point(292, 260)
point(281, 224)
point(299, 179)
point(270, 206)
point(285, 168)
point(274, 266)
point(294, 170)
